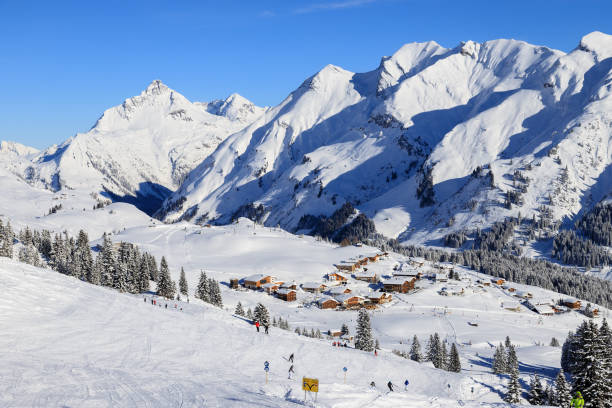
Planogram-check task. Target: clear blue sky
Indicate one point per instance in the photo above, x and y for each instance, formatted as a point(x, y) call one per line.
point(63, 63)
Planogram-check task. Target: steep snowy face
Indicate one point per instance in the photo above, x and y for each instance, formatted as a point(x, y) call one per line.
point(434, 140)
point(7, 147)
point(143, 148)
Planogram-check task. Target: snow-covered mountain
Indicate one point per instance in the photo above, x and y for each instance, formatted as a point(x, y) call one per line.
point(142, 149)
point(433, 140)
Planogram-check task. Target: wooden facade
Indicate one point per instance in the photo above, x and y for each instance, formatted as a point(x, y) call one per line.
point(399, 285)
point(256, 281)
point(328, 303)
point(288, 295)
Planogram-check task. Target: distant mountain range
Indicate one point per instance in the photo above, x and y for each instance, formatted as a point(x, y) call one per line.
point(433, 141)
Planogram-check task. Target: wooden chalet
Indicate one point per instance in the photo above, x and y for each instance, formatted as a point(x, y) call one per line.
point(366, 276)
point(234, 283)
point(440, 277)
point(572, 303)
point(257, 280)
point(339, 290)
point(498, 281)
point(350, 300)
point(289, 285)
point(328, 303)
point(402, 285)
point(271, 287)
point(313, 287)
point(379, 297)
point(373, 258)
point(288, 295)
point(347, 266)
point(335, 277)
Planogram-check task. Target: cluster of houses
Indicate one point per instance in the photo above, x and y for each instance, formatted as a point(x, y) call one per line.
point(334, 290)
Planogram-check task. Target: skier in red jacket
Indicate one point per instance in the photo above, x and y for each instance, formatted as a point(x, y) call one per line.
point(257, 325)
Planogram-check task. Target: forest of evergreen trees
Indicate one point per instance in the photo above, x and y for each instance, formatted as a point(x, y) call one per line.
point(517, 269)
point(123, 267)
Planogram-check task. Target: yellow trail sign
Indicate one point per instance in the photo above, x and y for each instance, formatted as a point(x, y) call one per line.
point(310, 384)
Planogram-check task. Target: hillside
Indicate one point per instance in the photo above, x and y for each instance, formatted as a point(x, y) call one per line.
point(434, 140)
point(123, 351)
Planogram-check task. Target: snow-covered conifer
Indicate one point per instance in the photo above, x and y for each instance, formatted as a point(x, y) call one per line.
point(261, 315)
point(454, 363)
point(363, 336)
point(536, 391)
point(183, 287)
point(415, 350)
point(239, 310)
point(165, 286)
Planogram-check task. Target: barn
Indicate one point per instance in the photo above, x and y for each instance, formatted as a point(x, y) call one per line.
point(346, 266)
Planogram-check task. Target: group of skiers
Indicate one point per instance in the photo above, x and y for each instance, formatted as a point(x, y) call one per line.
point(390, 385)
point(155, 303)
point(266, 326)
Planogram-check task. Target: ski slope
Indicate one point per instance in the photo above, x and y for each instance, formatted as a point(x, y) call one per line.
point(68, 343)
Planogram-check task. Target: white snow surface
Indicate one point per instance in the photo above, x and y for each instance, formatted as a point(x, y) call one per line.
point(68, 343)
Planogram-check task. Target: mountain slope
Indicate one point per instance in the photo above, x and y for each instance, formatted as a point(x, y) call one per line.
point(141, 150)
point(434, 140)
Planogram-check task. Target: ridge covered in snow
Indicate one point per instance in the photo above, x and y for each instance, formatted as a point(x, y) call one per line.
point(480, 122)
point(141, 150)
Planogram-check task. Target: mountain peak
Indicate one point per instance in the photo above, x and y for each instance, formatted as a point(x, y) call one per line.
point(156, 87)
point(16, 148)
point(597, 43)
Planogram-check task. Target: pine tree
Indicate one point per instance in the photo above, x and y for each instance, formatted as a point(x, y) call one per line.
point(165, 286)
point(562, 393)
point(549, 395)
point(605, 345)
point(512, 363)
point(554, 342)
point(567, 352)
point(202, 290)
point(443, 356)
point(239, 310)
point(430, 353)
point(344, 329)
point(249, 314)
point(415, 350)
point(183, 288)
point(82, 259)
point(363, 337)
point(144, 274)
point(500, 363)
point(454, 363)
point(376, 345)
point(214, 293)
point(507, 342)
point(261, 315)
point(513, 395)
point(107, 261)
point(536, 391)
point(589, 375)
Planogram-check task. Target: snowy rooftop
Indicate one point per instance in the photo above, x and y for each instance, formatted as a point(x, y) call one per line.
point(255, 278)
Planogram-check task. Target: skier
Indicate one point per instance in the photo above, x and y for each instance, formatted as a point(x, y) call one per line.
point(257, 325)
point(375, 353)
point(145, 299)
point(266, 327)
point(577, 401)
point(166, 305)
point(291, 371)
point(406, 385)
point(291, 358)
point(372, 384)
point(390, 385)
